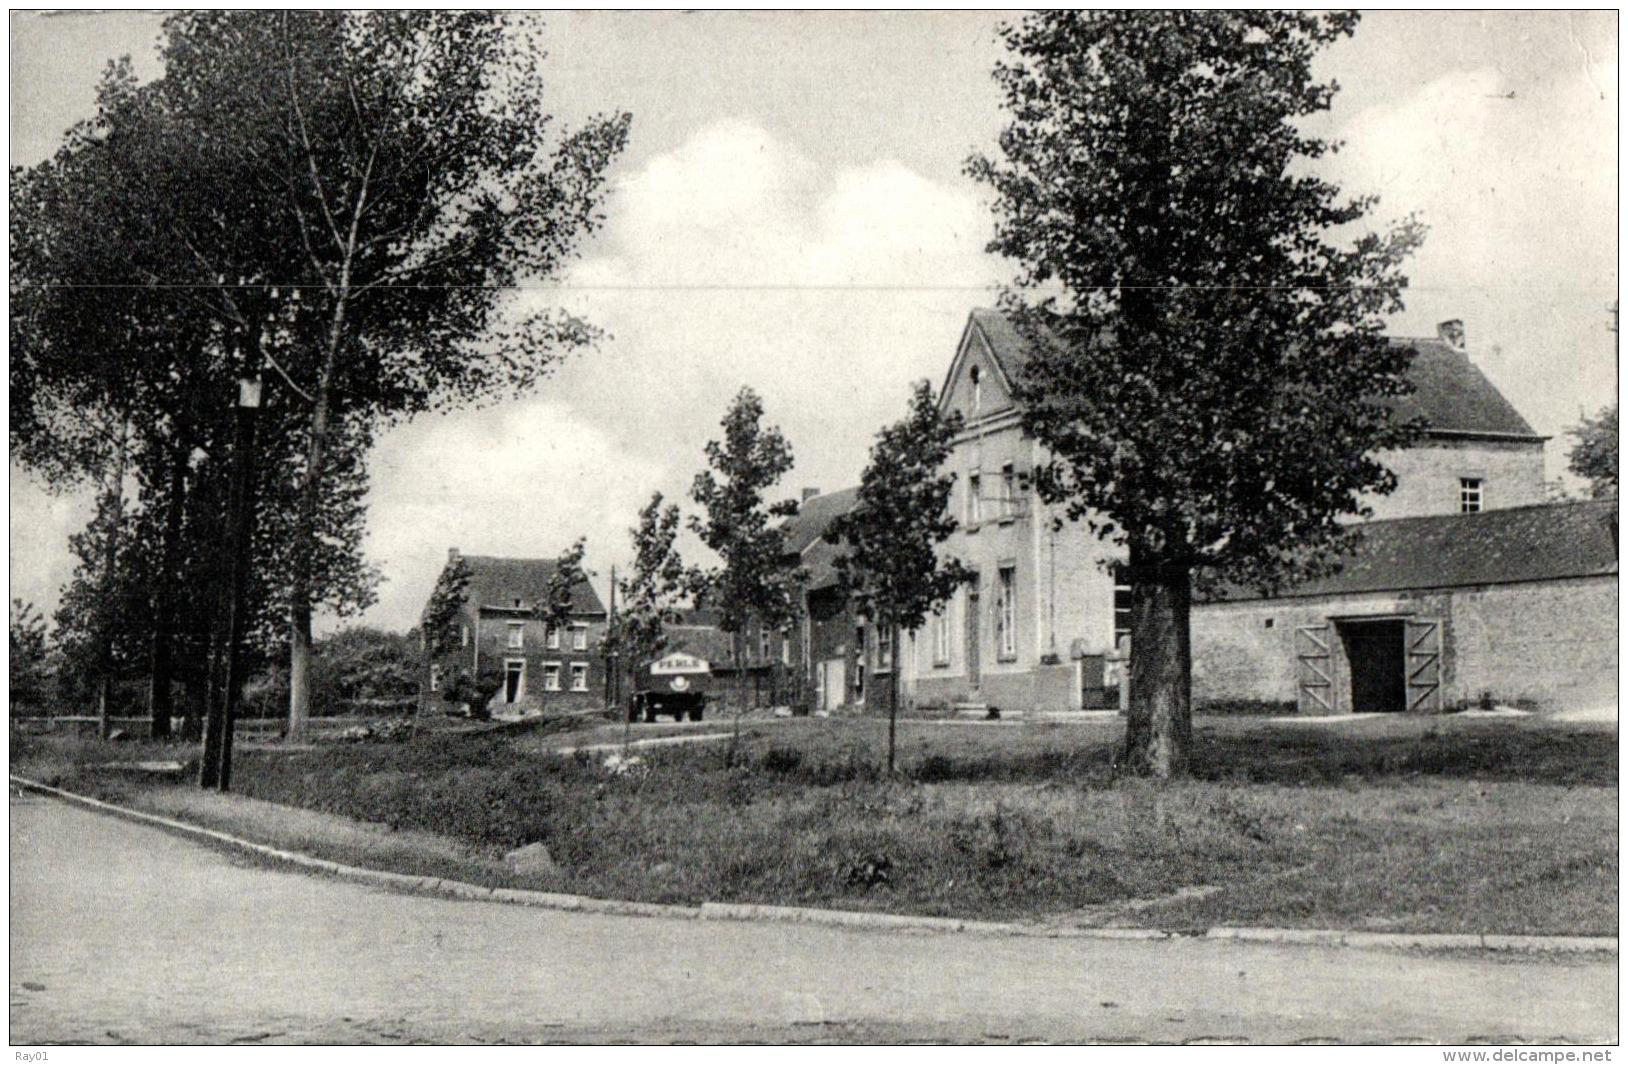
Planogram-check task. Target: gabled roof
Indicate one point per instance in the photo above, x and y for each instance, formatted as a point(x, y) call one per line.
point(814, 516)
point(1453, 394)
point(1550, 541)
point(1450, 391)
point(498, 582)
point(702, 641)
point(1010, 350)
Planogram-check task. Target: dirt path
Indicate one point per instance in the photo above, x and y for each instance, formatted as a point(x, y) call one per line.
point(123, 933)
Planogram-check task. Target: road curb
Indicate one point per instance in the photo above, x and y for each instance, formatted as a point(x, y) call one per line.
point(742, 911)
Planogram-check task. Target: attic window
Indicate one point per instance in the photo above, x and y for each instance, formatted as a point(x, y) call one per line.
point(517, 604)
point(977, 390)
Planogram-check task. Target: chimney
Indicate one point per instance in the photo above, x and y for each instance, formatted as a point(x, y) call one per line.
point(452, 555)
point(1451, 333)
point(810, 493)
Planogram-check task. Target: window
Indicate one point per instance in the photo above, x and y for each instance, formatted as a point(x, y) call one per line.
point(941, 636)
point(1006, 613)
point(517, 604)
point(517, 634)
point(785, 650)
point(764, 644)
point(1469, 495)
point(579, 637)
point(884, 648)
point(1122, 604)
point(553, 638)
point(977, 390)
point(975, 506)
point(551, 676)
point(435, 678)
point(579, 676)
point(1008, 502)
point(465, 634)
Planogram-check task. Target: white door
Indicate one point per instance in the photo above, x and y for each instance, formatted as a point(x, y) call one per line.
point(833, 683)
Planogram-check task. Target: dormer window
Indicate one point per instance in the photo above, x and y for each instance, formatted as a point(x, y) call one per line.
point(977, 390)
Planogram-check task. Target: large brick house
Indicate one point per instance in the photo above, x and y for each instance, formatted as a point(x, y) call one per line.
point(1041, 625)
point(499, 636)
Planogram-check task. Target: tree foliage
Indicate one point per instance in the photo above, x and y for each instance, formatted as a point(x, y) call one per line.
point(652, 594)
point(891, 569)
point(1210, 379)
point(29, 672)
point(754, 579)
point(443, 614)
point(554, 608)
point(1594, 456)
point(344, 202)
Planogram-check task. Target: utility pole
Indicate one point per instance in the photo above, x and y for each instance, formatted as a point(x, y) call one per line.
point(216, 769)
point(104, 680)
point(613, 651)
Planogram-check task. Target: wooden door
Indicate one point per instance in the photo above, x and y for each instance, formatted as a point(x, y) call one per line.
point(1314, 666)
point(1424, 677)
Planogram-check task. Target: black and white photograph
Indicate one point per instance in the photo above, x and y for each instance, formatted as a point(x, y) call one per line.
point(838, 527)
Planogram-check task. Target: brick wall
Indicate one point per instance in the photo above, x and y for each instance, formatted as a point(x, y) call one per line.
point(493, 630)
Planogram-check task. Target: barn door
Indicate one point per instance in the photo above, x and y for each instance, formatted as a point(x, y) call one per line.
point(1424, 663)
point(1315, 668)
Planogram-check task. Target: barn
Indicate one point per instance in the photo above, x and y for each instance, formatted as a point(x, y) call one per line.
point(1510, 606)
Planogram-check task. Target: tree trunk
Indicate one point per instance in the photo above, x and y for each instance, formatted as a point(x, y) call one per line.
point(299, 666)
point(892, 695)
point(299, 591)
point(1159, 724)
point(160, 697)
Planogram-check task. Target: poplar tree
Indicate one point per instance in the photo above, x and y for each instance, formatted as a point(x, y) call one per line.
point(1210, 378)
point(891, 570)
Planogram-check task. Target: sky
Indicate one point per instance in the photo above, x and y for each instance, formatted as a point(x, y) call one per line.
point(792, 214)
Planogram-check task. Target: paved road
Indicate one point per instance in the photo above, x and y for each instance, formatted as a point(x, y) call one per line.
point(114, 930)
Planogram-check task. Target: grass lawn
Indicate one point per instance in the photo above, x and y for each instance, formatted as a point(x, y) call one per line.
point(1446, 824)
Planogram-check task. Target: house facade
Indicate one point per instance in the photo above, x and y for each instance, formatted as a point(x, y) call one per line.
point(1044, 624)
point(537, 668)
point(844, 663)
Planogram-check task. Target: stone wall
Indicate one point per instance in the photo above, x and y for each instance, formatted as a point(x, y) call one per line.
point(1511, 474)
point(1550, 643)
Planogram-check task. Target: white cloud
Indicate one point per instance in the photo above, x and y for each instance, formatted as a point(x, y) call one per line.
point(1517, 181)
point(524, 479)
point(731, 260)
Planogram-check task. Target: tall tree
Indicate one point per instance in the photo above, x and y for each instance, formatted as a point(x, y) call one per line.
point(407, 161)
point(442, 622)
point(1211, 380)
point(352, 197)
point(892, 571)
point(653, 592)
point(1594, 456)
point(753, 581)
point(559, 594)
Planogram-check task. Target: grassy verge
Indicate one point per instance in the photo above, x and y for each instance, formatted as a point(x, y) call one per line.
point(1441, 825)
